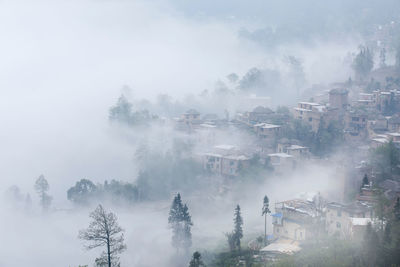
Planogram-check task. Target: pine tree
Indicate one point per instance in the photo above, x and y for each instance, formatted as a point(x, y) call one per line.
point(41, 187)
point(265, 211)
point(196, 260)
point(181, 222)
point(187, 221)
point(238, 231)
point(364, 182)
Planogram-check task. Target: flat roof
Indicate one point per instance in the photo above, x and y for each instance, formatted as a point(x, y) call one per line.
point(225, 147)
point(281, 155)
point(293, 147)
point(285, 246)
point(266, 125)
point(302, 109)
point(213, 155)
point(380, 140)
point(310, 103)
point(205, 125)
point(240, 157)
point(360, 221)
point(394, 134)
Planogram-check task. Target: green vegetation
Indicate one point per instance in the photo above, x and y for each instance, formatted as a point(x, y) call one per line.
point(42, 187)
point(235, 258)
point(104, 231)
point(385, 160)
point(117, 192)
point(180, 222)
point(363, 62)
point(122, 112)
point(196, 260)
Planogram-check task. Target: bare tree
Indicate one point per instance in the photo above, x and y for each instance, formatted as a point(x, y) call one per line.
point(104, 231)
point(41, 187)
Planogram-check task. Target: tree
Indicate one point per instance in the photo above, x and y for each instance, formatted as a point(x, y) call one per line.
point(41, 187)
point(104, 230)
point(265, 211)
point(364, 182)
point(297, 73)
point(237, 231)
point(82, 192)
point(181, 222)
point(386, 158)
point(232, 78)
point(363, 62)
point(231, 241)
point(196, 260)
point(382, 58)
point(122, 111)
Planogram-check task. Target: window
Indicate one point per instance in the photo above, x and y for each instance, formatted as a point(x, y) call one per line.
point(310, 119)
point(231, 163)
point(277, 230)
point(338, 225)
point(339, 213)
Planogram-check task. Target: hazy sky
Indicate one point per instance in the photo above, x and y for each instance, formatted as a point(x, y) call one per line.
point(64, 62)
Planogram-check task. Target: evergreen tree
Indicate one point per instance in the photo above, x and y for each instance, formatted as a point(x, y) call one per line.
point(363, 62)
point(196, 260)
point(181, 222)
point(238, 231)
point(265, 211)
point(364, 182)
point(41, 187)
point(382, 57)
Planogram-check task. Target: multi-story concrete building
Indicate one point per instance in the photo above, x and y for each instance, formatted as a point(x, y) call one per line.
point(296, 219)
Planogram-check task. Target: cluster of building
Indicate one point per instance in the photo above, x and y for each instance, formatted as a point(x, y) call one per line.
point(304, 219)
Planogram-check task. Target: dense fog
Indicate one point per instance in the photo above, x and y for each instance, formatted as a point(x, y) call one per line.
point(65, 64)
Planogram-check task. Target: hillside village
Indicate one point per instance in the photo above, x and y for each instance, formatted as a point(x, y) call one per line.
point(366, 122)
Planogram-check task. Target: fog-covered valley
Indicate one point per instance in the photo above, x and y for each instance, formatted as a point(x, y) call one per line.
point(129, 103)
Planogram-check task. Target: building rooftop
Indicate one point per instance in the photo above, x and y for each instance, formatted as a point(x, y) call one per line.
point(299, 205)
point(380, 140)
point(302, 109)
point(352, 207)
point(360, 221)
point(282, 245)
point(310, 103)
point(280, 155)
point(266, 125)
point(225, 147)
point(206, 125)
point(394, 134)
point(238, 157)
point(296, 147)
